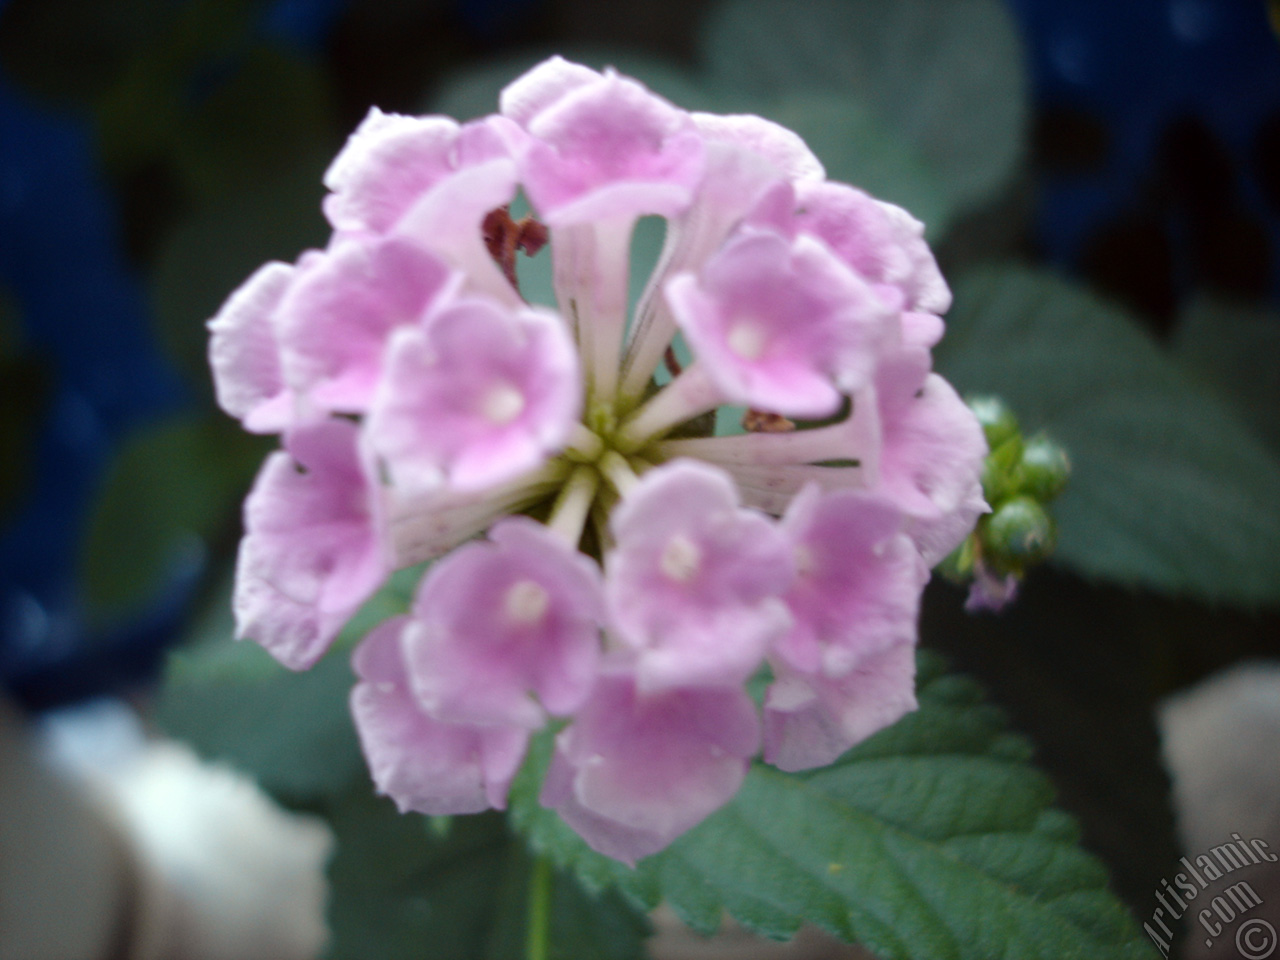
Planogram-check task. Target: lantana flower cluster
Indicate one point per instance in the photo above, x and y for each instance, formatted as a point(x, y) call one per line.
point(601, 565)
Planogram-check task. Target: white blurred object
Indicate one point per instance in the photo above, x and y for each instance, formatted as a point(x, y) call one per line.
point(64, 876)
point(226, 874)
point(1222, 749)
point(1220, 746)
point(206, 866)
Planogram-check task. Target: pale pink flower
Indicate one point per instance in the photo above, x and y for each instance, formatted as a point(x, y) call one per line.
point(474, 396)
point(506, 631)
point(423, 764)
point(392, 160)
point(811, 719)
point(335, 319)
point(882, 242)
point(844, 670)
point(746, 157)
point(636, 770)
point(601, 146)
point(858, 581)
point(930, 461)
point(244, 352)
point(311, 554)
point(781, 325)
point(422, 400)
point(695, 580)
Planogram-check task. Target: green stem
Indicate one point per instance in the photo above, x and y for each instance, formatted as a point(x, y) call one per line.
point(538, 938)
point(690, 394)
point(569, 513)
point(618, 472)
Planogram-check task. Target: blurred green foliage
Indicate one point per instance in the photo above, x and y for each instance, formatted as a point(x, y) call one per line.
point(1236, 349)
point(172, 489)
point(402, 892)
point(1170, 489)
point(941, 80)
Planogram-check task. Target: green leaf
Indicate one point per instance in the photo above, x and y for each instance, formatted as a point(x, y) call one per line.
point(856, 147)
point(292, 731)
point(1237, 349)
point(945, 76)
point(269, 120)
point(215, 250)
point(171, 490)
point(933, 839)
point(400, 890)
point(142, 113)
point(1169, 489)
point(225, 108)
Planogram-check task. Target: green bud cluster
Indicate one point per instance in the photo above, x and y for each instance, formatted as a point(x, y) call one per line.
point(1020, 477)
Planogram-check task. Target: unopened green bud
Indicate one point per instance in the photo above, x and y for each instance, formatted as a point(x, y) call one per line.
point(998, 422)
point(999, 470)
point(1044, 469)
point(1017, 534)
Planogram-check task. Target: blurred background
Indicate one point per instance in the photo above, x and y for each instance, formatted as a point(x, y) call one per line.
point(1101, 181)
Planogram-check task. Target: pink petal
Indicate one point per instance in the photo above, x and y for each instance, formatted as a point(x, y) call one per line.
point(386, 164)
point(694, 581)
point(809, 720)
point(609, 149)
point(784, 149)
point(497, 621)
point(336, 318)
point(931, 466)
point(310, 555)
point(392, 160)
point(448, 218)
point(477, 396)
point(422, 764)
point(922, 329)
point(783, 326)
point(735, 180)
point(245, 354)
point(634, 771)
point(884, 243)
point(541, 86)
point(858, 585)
